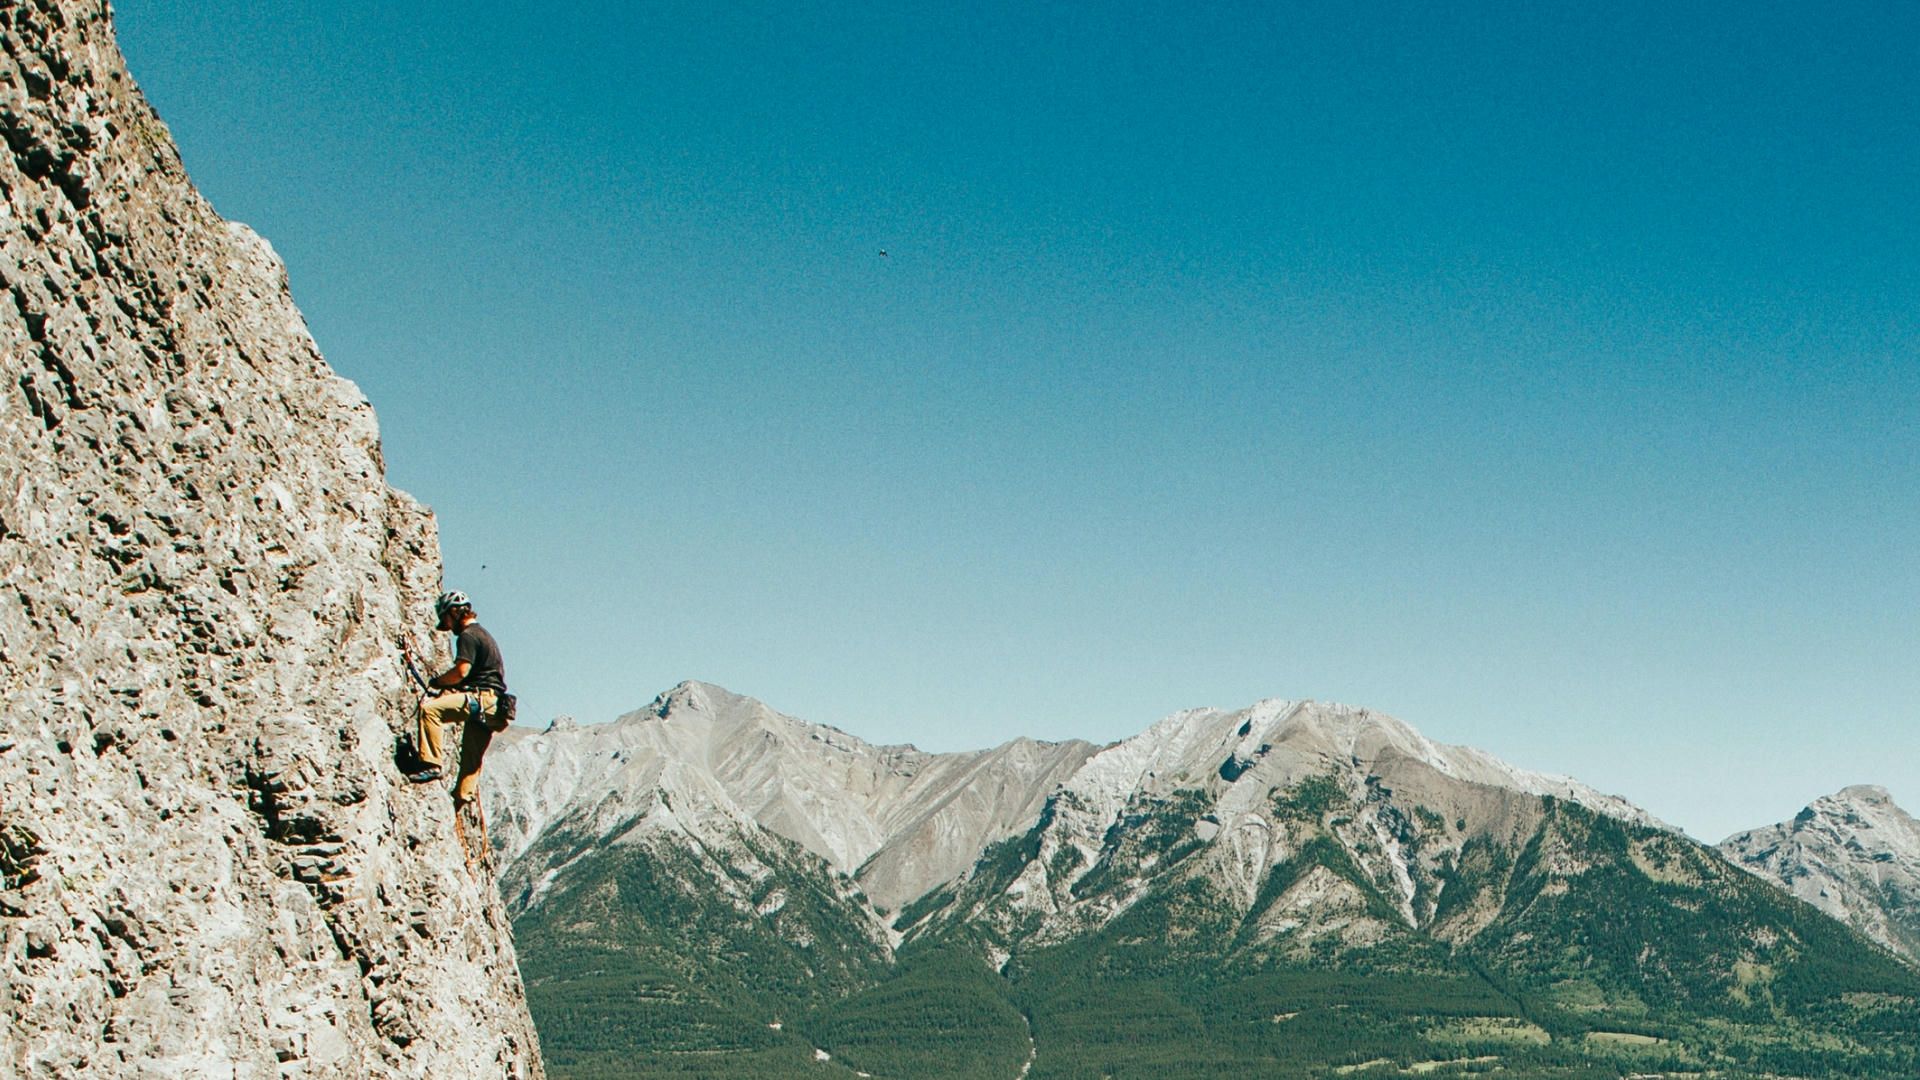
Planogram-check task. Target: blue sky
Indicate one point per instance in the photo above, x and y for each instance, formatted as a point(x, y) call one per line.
point(1543, 375)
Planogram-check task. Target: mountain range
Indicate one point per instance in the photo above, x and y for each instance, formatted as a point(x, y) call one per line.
point(708, 887)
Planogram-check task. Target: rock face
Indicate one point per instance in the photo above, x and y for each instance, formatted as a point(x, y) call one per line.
point(209, 864)
point(1854, 855)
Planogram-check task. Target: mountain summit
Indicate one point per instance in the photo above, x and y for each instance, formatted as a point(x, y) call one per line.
point(1415, 804)
point(1854, 855)
point(902, 819)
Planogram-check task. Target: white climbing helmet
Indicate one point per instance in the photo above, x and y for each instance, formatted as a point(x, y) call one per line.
point(452, 598)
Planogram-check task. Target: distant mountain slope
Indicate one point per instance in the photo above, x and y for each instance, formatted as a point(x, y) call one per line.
point(1288, 889)
point(689, 871)
point(687, 930)
point(1202, 782)
point(900, 819)
point(1854, 855)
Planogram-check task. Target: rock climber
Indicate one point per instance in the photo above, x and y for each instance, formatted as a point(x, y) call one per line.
point(468, 693)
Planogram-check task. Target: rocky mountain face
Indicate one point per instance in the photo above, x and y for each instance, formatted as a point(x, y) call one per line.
point(707, 851)
point(1215, 785)
point(898, 819)
point(1854, 855)
point(209, 864)
point(899, 822)
point(737, 884)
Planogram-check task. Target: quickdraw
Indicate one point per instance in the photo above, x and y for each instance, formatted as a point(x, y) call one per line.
point(406, 657)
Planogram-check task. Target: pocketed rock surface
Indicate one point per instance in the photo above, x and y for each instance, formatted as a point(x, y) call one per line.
point(209, 862)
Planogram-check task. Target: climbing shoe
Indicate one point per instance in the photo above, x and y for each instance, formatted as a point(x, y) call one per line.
point(425, 776)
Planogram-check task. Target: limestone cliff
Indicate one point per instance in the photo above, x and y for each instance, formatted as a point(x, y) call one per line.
point(209, 864)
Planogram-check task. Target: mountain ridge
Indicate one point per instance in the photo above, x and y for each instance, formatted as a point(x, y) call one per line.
point(888, 827)
point(898, 813)
point(1239, 869)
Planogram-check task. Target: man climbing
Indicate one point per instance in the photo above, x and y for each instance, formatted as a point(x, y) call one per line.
point(467, 693)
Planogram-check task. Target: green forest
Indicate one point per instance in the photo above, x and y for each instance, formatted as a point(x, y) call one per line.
point(1656, 959)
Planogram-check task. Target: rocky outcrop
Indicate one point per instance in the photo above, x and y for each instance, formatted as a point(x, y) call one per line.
point(1854, 854)
point(209, 864)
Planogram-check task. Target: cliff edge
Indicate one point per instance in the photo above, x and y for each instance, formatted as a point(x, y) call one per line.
point(209, 863)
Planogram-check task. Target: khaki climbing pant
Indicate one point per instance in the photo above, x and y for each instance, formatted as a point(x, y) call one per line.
point(457, 708)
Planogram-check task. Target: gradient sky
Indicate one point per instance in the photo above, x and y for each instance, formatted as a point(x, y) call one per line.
point(1547, 376)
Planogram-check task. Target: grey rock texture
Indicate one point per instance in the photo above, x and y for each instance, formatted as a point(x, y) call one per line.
point(1854, 854)
point(209, 864)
